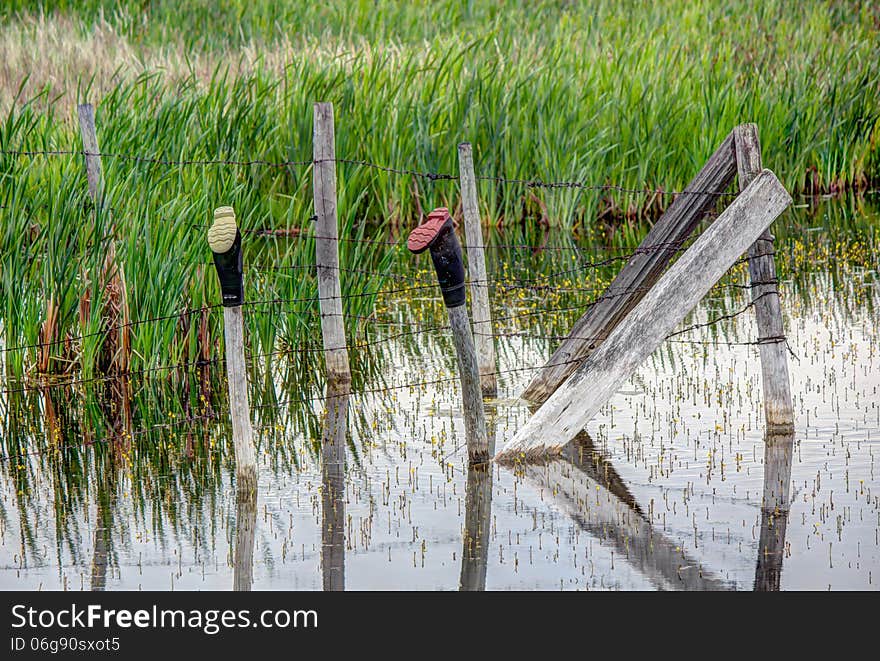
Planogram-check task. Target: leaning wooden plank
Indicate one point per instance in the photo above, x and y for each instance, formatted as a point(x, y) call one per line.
point(664, 307)
point(640, 272)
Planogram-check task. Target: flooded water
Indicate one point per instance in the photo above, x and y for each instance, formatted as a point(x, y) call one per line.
point(674, 485)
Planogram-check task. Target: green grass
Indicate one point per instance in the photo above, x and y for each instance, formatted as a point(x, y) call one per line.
point(620, 93)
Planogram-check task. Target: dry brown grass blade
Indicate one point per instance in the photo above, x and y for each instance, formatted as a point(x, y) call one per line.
point(116, 354)
point(48, 336)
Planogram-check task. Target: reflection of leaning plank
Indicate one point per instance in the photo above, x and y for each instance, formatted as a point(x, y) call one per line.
point(585, 487)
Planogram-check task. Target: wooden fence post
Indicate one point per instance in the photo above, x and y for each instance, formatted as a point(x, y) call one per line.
point(327, 246)
point(438, 235)
point(94, 173)
point(112, 275)
point(483, 334)
point(676, 293)
point(225, 242)
point(778, 410)
point(640, 272)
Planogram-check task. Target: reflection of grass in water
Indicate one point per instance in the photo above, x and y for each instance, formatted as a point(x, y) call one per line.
point(78, 457)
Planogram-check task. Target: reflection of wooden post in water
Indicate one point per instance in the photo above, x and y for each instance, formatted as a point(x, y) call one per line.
point(115, 403)
point(477, 517)
point(101, 550)
point(477, 521)
point(245, 532)
point(333, 489)
point(585, 486)
point(778, 454)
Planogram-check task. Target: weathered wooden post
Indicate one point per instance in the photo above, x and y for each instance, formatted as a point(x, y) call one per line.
point(117, 346)
point(94, 172)
point(225, 242)
point(333, 489)
point(778, 410)
point(676, 293)
point(473, 233)
point(438, 235)
point(327, 246)
point(778, 455)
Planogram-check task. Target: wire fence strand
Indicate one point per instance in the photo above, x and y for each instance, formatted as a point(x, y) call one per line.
point(532, 182)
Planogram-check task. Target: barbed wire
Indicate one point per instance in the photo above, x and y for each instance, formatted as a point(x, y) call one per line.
point(362, 392)
point(415, 329)
point(48, 153)
point(422, 384)
point(541, 281)
point(129, 324)
point(371, 391)
point(430, 176)
point(418, 329)
point(279, 301)
point(178, 316)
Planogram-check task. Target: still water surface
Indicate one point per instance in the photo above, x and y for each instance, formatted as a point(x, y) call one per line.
point(663, 490)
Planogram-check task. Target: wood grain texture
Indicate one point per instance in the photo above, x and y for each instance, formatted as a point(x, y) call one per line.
point(327, 247)
point(639, 273)
point(471, 394)
point(94, 174)
point(566, 412)
point(482, 316)
point(239, 403)
point(778, 409)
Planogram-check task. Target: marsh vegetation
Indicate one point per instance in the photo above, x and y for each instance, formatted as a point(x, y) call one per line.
point(123, 477)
